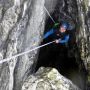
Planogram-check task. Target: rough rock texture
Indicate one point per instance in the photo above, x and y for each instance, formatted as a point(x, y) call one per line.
point(48, 79)
point(83, 37)
point(21, 28)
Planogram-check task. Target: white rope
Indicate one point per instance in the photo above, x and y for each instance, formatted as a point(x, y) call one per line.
point(23, 53)
point(49, 14)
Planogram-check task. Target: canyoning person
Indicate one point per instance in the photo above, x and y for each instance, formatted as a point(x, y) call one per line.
point(60, 32)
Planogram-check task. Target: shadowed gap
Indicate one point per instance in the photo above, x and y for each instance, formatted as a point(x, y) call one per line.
point(59, 57)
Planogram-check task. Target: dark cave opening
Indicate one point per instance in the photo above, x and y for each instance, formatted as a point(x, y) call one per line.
point(62, 57)
point(59, 57)
point(56, 56)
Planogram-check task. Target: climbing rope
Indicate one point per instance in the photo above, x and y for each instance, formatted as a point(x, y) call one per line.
point(23, 53)
point(49, 14)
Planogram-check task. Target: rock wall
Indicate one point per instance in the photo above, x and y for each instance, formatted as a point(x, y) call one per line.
point(83, 37)
point(48, 79)
point(21, 28)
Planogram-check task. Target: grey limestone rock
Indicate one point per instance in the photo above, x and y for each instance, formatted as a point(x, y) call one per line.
point(48, 79)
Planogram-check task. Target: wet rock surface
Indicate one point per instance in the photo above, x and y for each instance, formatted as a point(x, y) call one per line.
point(20, 30)
point(22, 24)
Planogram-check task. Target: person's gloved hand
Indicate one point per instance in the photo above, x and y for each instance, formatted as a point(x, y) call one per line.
point(57, 41)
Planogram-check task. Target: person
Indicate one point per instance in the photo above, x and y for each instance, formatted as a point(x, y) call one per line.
point(60, 32)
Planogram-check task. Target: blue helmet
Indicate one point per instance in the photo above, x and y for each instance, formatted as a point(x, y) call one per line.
point(65, 25)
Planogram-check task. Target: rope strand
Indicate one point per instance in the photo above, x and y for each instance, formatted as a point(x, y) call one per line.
point(49, 14)
point(23, 53)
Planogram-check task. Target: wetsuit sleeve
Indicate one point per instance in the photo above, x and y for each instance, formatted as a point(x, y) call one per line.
point(48, 33)
point(65, 40)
